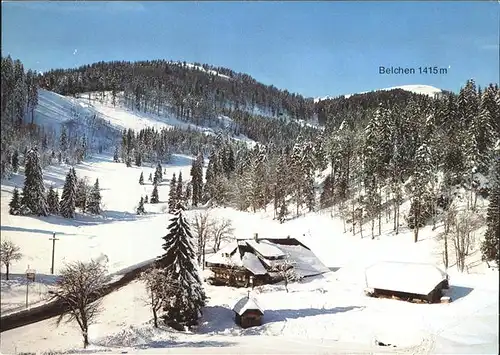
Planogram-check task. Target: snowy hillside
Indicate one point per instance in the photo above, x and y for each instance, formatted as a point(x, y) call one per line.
point(123, 118)
point(417, 89)
point(322, 315)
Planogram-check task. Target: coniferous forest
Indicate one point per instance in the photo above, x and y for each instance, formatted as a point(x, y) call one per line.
point(358, 157)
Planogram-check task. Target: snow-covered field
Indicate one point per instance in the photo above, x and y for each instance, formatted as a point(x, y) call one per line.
point(324, 315)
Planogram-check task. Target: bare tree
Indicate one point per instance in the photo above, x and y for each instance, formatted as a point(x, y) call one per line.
point(202, 226)
point(286, 271)
point(79, 290)
point(221, 230)
point(463, 238)
point(160, 288)
point(448, 221)
point(9, 252)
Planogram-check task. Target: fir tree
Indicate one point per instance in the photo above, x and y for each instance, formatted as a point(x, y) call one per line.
point(34, 197)
point(187, 193)
point(68, 198)
point(179, 193)
point(491, 244)
point(141, 179)
point(154, 195)
point(146, 199)
point(53, 201)
point(82, 194)
point(150, 178)
point(15, 161)
point(140, 208)
point(15, 203)
point(158, 177)
point(197, 179)
point(172, 195)
point(94, 200)
point(116, 155)
point(179, 263)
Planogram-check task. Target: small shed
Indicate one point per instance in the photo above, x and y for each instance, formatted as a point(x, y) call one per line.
point(406, 280)
point(248, 313)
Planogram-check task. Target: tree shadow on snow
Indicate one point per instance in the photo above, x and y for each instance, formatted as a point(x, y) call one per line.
point(32, 230)
point(279, 315)
point(186, 344)
point(45, 279)
point(108, 216)
point(458, 292)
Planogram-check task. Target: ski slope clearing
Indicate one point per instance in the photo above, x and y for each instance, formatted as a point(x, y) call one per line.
point(326, 314)
point(123, 118)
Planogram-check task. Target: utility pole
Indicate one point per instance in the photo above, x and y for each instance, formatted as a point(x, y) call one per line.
point(53, 251)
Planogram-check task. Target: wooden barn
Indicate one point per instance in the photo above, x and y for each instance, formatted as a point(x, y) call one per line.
point(406, 281)
point(249, 262)
point(248, 313)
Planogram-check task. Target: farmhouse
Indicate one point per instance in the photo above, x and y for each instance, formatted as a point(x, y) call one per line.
point(250, 262)
point(406, 281)
point(248, 313)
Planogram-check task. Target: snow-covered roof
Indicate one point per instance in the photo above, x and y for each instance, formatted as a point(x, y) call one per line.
point(245, 304)
point(253, 264)
point(306, 263)
point(226, 256)
point(266, 249)
point(417, 278)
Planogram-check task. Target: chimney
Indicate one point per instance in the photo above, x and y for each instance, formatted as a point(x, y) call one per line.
point(256, 237)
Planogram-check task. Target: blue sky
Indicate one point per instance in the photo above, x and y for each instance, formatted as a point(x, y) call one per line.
point(312, 48)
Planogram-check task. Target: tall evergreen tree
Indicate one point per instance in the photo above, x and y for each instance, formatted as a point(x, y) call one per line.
point(15, 161)
point(34, 197)
point(140, 207)
point(158, 177)
point(491, 244)
point(15, 203)
point(53, 201)
point(116, 155)
point(172, 195)
point(179, 193)
point(197, 179)
point(94, 199)
point(154, 195)
point(179, 263)
point(141, 179)
point(82, 194)
point(68, 198)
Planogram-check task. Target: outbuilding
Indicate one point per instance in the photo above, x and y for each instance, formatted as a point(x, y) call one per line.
point(406, 280)
point(248, 313)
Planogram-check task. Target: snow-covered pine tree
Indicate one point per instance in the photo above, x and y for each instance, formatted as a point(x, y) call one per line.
point(15, 161)
point(116, 155)
point(53, 201)
point(141, 179)
point(154, 195)
point(94, 199)
point(82, 194)
point(158, 177)
point(197, 179)
point(172, 195)
point(15, 203)
point(150, 178)
point(179, 193)
point(491, 244)
point(140, 208)
point(146, 199)
point(34, 197)
point(63, 142)
point(419, 187)
point(187, 192)
point(179, 263)
point(68, 197)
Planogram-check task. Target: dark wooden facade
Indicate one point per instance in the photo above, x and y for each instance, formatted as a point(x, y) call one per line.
point(432, 297)
point(250, 318)
point(236, 277)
